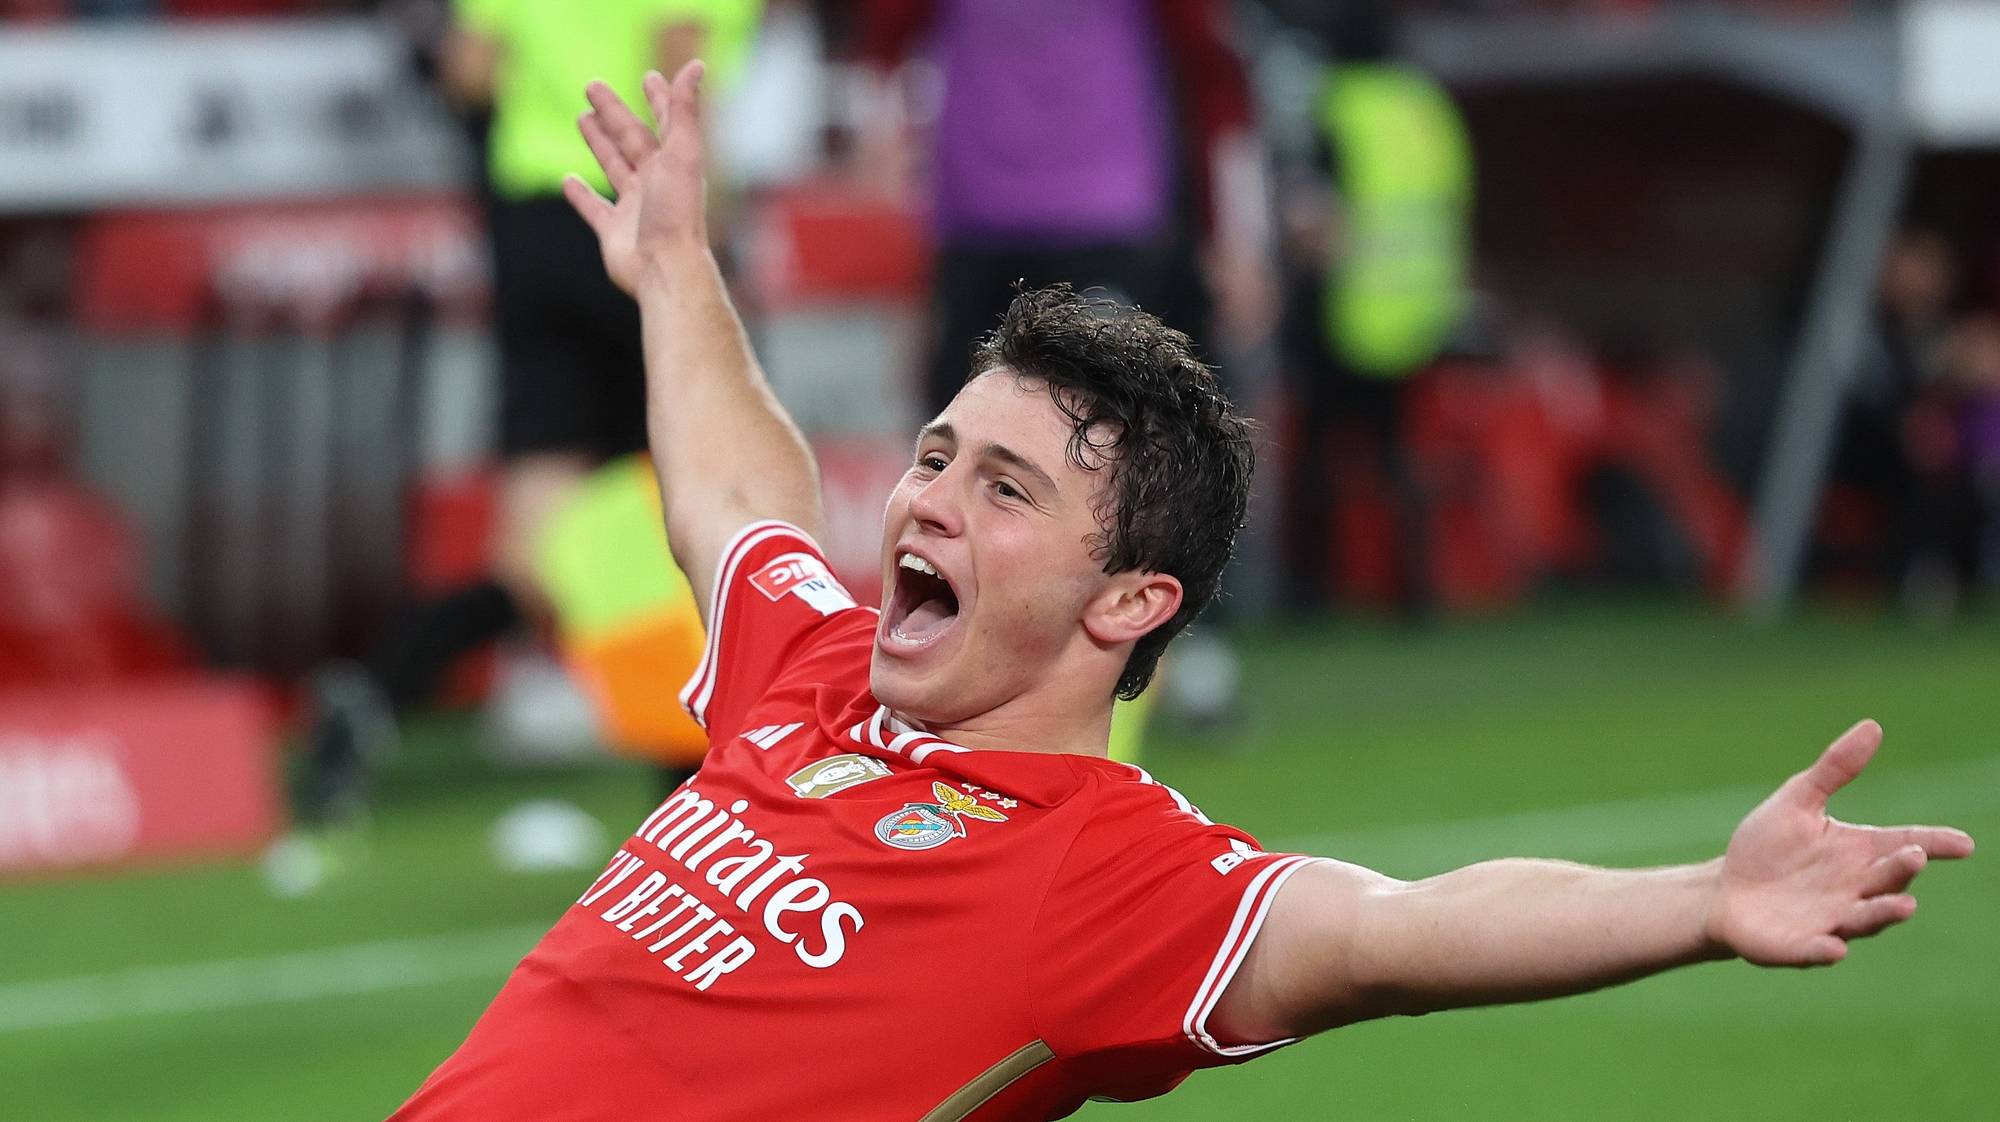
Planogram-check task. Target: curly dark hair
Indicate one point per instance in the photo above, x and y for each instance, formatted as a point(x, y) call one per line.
point(1141, 402)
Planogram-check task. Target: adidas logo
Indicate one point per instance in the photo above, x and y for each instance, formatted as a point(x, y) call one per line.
point(769, 736)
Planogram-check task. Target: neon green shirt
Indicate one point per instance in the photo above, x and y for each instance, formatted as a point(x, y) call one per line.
point(1406, 174)
point(550, 48)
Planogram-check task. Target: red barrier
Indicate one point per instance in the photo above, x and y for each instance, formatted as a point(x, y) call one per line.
point(107, 775)
point(1504, 454)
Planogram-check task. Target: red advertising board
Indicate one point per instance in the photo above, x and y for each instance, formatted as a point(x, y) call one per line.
point(151, 270)
point(109, 774)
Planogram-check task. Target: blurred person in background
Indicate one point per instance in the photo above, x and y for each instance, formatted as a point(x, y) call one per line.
point(1885, 451)
point(1981, 425)
point(1951, 434)
point(1070, 142)
point(571, 390)
point(1110, 146)
point(73, 606)
point(1377, 248)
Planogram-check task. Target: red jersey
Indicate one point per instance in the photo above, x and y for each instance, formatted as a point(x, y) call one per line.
point(843, 917)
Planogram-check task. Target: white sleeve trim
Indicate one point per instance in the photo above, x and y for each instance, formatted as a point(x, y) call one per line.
point(1180, 800)
point(700, 688)
point(1249, 919)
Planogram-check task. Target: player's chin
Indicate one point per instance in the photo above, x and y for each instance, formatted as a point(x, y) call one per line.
point(913, 691)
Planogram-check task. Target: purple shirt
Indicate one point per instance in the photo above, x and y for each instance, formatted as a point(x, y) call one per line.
point(1054, 126)
point(1981, 422)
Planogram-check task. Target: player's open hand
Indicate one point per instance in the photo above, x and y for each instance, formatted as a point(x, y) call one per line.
point(1796, 885)
point(660, 210)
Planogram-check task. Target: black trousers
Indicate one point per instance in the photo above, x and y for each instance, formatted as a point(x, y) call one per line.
point(975, 284)
point(572, 374)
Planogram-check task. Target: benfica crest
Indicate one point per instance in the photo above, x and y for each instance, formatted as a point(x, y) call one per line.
point(929, 825)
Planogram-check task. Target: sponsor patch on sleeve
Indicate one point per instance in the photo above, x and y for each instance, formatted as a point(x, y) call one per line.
point(804, 576)
point(1239, 852)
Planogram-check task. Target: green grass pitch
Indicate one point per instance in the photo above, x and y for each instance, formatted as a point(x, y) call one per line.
point(1625, 735)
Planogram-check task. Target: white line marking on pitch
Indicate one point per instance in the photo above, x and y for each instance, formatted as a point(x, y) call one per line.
point(1932, 794)
point(1597, 830)
point(233, 983)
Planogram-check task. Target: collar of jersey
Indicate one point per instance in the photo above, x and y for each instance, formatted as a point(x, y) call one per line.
point(1044, 778)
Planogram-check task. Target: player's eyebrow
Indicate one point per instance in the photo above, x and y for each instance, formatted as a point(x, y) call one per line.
point(1027, 466)
point(942, 430)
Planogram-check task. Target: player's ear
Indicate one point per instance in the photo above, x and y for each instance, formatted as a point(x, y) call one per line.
point(1132, 604)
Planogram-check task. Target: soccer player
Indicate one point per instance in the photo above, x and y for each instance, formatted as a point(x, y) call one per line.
point(906, 884)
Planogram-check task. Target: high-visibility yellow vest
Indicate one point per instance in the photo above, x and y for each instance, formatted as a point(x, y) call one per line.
point(1397, 273)
point(550, 48)
point(625, 617)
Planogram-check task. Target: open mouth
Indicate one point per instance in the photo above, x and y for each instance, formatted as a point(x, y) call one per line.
point(923, 607)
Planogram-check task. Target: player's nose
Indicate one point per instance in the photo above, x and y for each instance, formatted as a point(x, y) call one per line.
point(936, 505)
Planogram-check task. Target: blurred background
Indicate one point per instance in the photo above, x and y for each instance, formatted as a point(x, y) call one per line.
point(1629, 382)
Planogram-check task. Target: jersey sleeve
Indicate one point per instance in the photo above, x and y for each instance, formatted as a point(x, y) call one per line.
point(1142, 929)
point(774, 600)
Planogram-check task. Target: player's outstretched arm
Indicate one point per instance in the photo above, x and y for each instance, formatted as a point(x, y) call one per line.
point(1344, 944)
point(726, 452)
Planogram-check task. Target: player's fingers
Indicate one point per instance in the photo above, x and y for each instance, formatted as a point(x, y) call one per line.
point(1866, 917)
point(595, 208)
point(1838, 765)
point(1894, 871)
point(659, 96)
point(684, 104)
point(616, 168)
point(635, 141)
point(1936, 841)
point(1824, 950)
